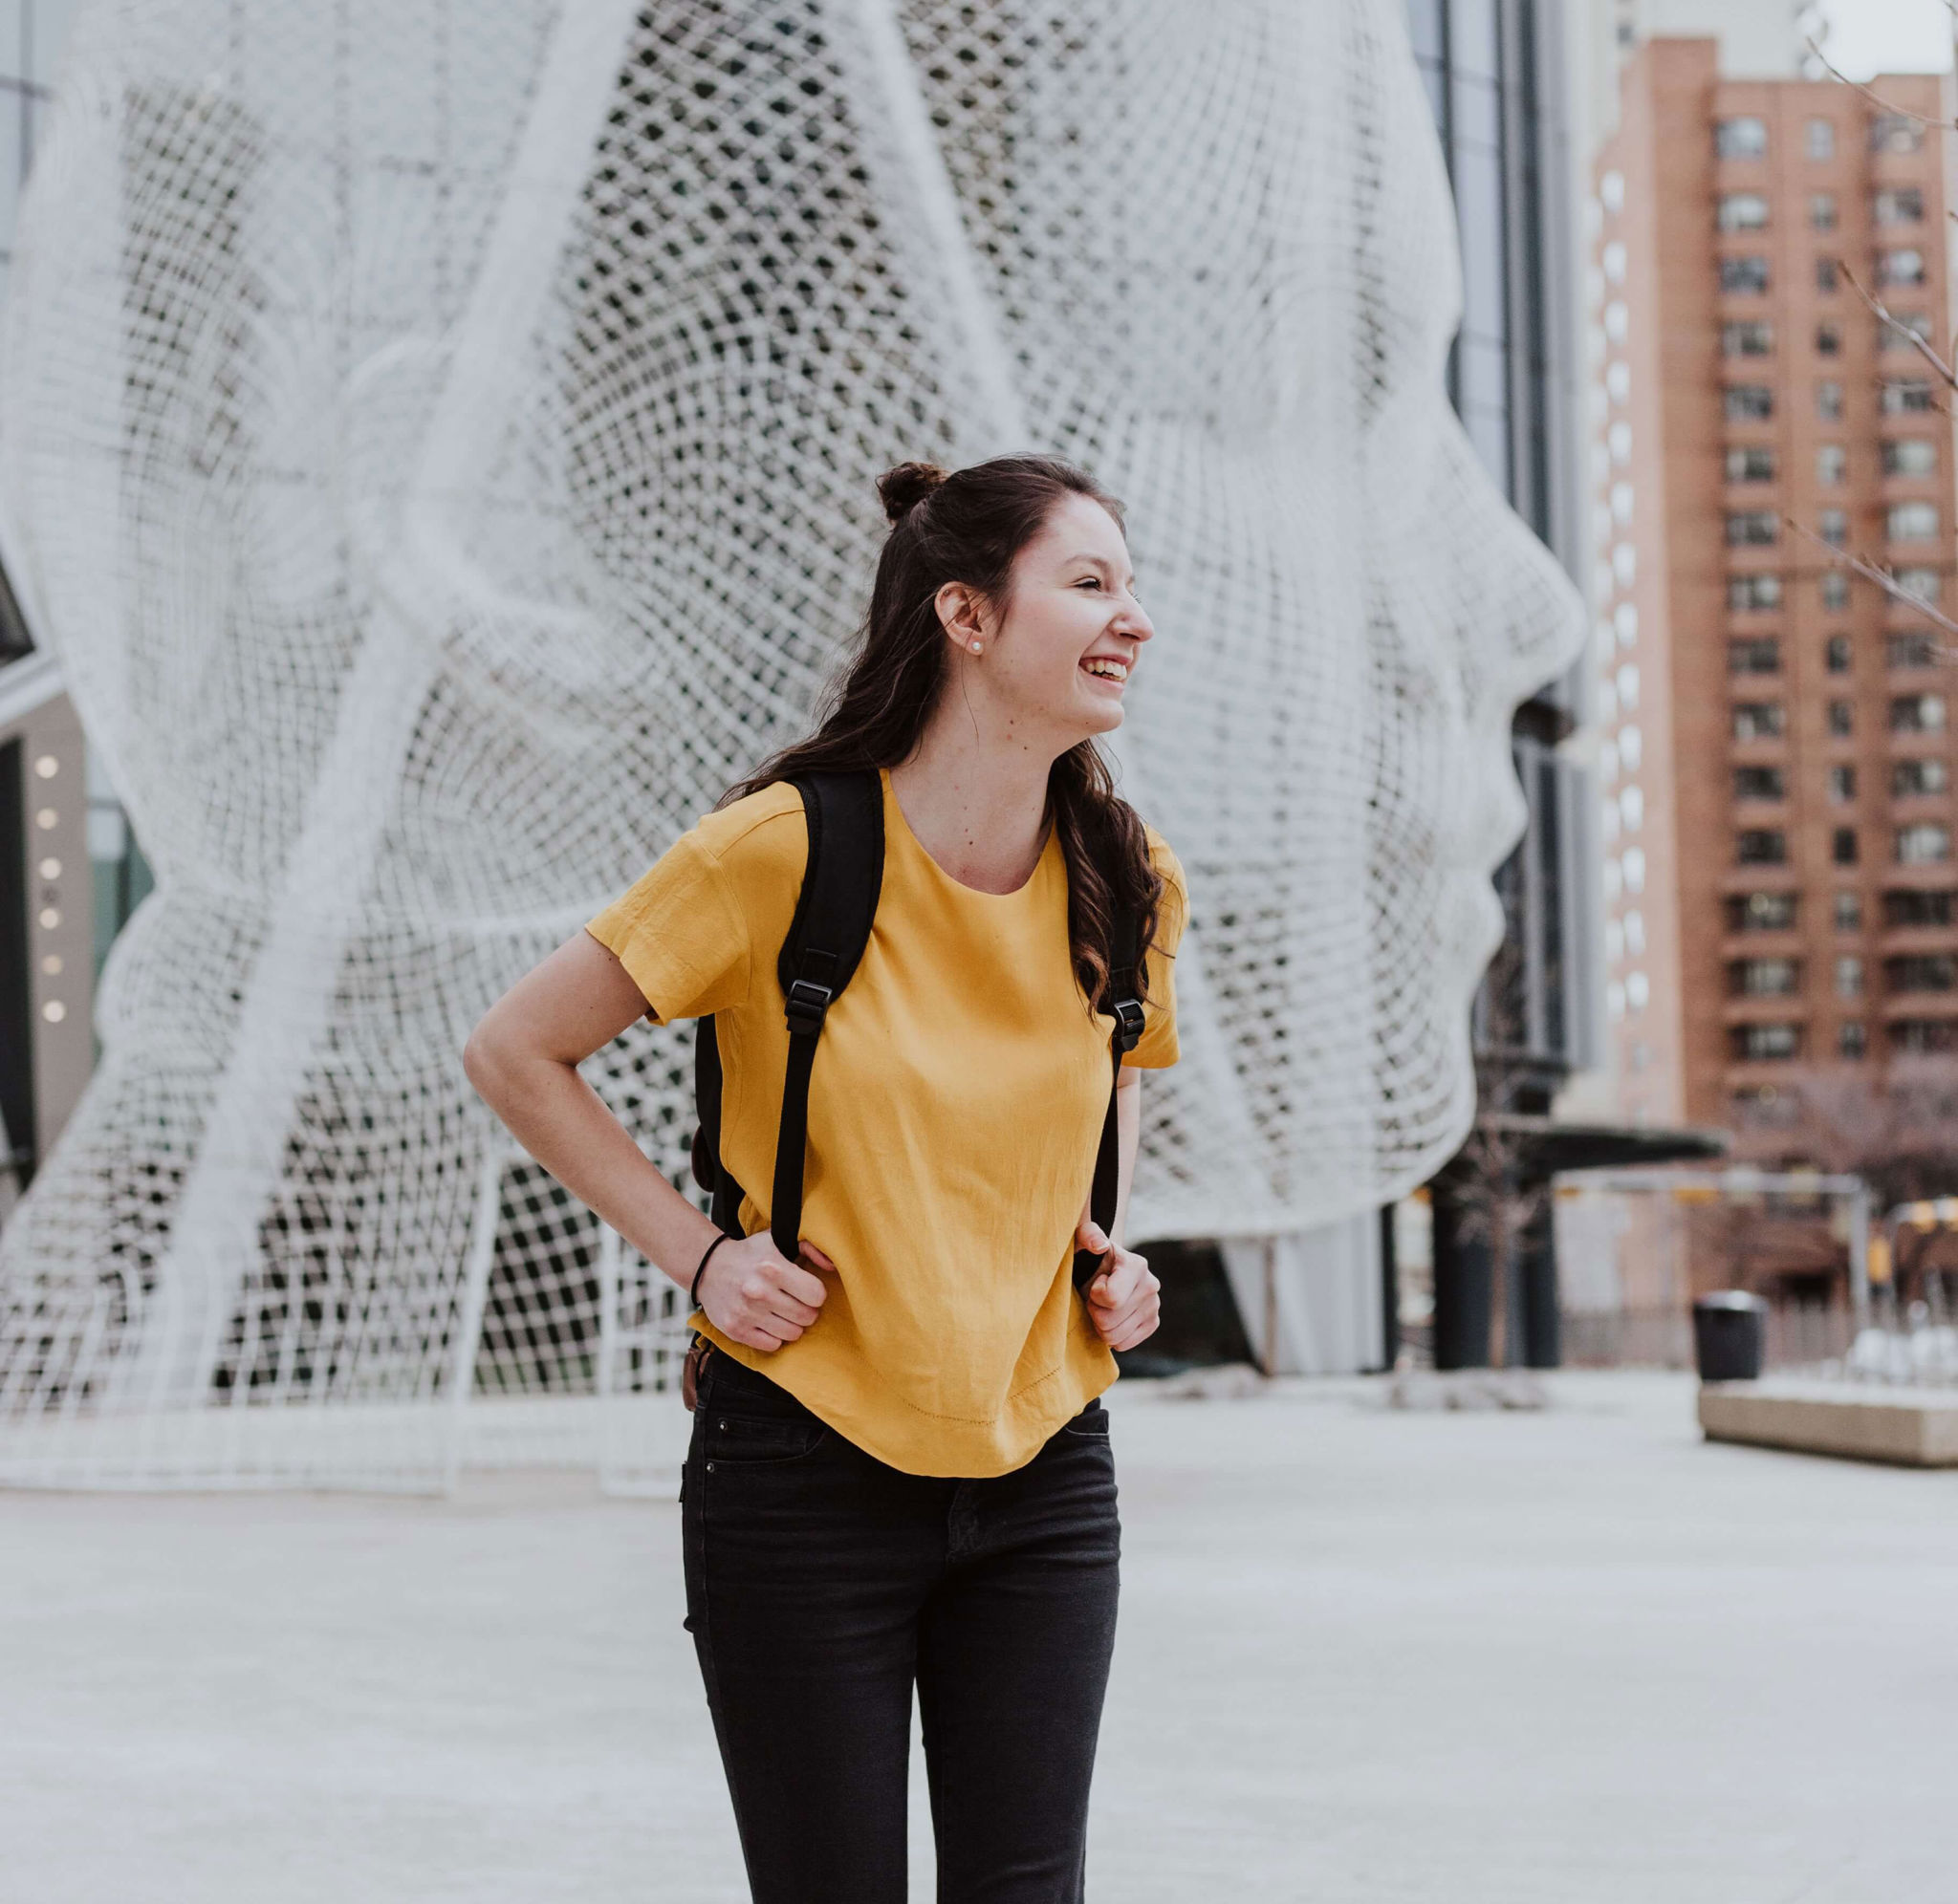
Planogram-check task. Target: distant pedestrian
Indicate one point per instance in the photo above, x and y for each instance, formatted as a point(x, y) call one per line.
point(900, 1473)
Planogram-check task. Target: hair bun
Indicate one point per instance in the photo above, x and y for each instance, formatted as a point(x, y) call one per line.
point(906, 487)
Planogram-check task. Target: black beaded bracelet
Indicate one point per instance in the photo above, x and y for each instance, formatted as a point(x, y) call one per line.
point(693, 1294)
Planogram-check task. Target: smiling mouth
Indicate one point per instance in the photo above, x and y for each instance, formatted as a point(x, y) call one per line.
point(1106, 668)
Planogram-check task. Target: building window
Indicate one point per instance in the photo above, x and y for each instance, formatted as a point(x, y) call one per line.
point(1615, 258)
point(1922, 972)
point(1827, 340)
point(1630, 743)
point(1917, 714)
point(1753, 338)
point(1848, 976)
point(1909, 778)
point(1919, 908)
point(1759, 1042)
point(1611, 188)
point(1909, 651)
point(1760, 911)
point(1743, 274)
point(1924, 1037)
point(1758, 783)
point(1828, 275)
point(1850, 1039)
point(1841, 719)
point(1898, 204)
point(1832, 463)
point(1763, 978)
point(1902, 266)
point(1750, 591)
point(1829, 402)
point(1907, 397)
point(1627, 685)
point(1751, 529)
point(1924, 843)
point(1833, 527)
point(1741, 211)
point(1843, 846)
point(1749, 403)
point(1631, 807)
point(1822, 211)
point(1760, 846)
point(1910, 456)
point(1842, 783)
point(1757, 721)
point(1836, 653)
point(1897, 134)
point(1741, 139)
point(1924, 585)
point(1761, 655)
point(1912, 522)
point(1848, 911)
point(1821, 138)
point(1835, 591)
point(1749, 463)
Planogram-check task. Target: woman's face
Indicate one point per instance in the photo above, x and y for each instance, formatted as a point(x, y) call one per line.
point(1054, 659)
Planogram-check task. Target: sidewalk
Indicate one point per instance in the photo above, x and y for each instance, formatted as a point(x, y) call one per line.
point(1365, 1657)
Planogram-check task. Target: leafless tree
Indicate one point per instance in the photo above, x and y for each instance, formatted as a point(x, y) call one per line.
point(1941, 366)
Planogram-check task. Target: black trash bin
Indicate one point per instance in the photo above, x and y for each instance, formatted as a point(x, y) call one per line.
point(1730, 1330)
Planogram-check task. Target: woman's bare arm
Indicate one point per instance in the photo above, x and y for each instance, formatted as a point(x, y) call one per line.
point(523, 1059)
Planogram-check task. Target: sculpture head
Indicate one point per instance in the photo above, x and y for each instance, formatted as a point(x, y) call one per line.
point(434, 509)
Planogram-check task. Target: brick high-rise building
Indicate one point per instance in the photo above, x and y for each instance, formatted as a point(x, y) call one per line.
point(1779, 805)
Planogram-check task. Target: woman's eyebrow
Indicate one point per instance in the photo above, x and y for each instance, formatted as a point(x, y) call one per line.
point(1101, 562)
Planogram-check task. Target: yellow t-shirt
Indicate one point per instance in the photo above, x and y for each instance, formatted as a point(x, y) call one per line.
point(954, 1112)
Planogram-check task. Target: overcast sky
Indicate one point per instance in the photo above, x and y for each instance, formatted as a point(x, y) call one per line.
point(1867, 36)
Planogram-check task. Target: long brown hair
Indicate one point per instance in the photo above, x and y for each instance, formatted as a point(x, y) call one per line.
point(968, 527)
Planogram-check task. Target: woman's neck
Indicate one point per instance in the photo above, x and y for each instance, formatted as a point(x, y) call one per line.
point(980, 810)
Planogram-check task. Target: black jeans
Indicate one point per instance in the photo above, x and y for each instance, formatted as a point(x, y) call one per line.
point(822, 1585)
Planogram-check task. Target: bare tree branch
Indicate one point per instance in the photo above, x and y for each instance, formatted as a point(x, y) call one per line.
point(1875, 98)
point(1922, 345)
point(1859, 565)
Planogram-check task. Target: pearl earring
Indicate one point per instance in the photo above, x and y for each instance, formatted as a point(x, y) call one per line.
point(975, 647)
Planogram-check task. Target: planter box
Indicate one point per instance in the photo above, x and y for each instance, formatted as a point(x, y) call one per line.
point(1907, 1427)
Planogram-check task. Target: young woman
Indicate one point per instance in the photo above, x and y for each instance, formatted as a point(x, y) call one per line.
point(900, 1473)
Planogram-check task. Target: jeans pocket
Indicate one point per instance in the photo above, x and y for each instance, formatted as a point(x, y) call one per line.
point(1091, 1424)
point(741, 1440)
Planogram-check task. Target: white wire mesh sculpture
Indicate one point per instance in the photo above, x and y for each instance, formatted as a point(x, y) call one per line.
point(439, 441)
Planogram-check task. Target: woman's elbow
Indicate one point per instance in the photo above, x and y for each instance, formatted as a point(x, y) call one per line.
point(484, 1056)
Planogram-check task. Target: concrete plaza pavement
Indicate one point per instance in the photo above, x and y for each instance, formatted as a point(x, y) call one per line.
point(1366, 1656)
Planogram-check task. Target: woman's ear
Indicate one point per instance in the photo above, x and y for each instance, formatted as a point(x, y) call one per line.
point(961, 615)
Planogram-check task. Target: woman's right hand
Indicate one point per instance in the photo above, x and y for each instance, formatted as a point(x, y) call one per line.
point(753, 1294)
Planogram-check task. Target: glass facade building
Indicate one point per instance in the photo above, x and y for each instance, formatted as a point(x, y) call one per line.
point(70, 870)
point(1498, 85)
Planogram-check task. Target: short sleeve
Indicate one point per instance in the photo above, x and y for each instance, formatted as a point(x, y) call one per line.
point(680, 934)
point(1157, 1049)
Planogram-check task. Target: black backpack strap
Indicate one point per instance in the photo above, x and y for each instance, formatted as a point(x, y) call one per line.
point(826, 939)
point(710, 1174)
point(1124, 1002)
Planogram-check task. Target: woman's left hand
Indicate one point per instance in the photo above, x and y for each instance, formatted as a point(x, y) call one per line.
point(1123, 1302)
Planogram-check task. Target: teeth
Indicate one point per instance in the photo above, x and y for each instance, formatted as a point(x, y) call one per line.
point(1113, 670)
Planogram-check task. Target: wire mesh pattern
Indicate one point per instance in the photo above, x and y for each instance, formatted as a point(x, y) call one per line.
point(440, 443)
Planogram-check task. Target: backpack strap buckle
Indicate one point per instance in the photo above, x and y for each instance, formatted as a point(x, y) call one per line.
point(809, 1004)
point(1128, 1023)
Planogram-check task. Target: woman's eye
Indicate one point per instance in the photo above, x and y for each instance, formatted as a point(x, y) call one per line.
point(1088, 582)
